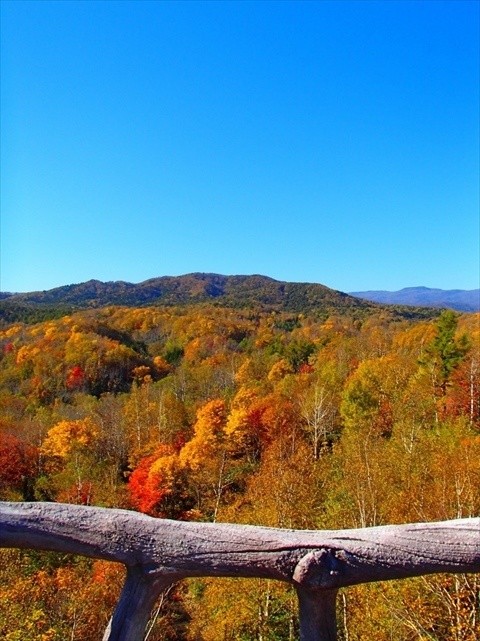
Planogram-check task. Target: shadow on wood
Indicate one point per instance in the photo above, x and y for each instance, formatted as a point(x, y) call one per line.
point(158, 552)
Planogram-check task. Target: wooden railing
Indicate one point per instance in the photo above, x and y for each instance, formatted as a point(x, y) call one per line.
point(159, 552)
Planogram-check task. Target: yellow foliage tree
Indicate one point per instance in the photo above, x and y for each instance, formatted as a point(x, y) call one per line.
point(208, 435)
point(65, 436)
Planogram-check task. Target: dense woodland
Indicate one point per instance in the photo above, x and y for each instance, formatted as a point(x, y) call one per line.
point(237, 292)
point(211, 413)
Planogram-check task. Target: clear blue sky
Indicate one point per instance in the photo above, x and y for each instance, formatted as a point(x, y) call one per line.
point(329, 142)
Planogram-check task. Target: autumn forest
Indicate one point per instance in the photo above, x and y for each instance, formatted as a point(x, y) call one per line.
point(212, 413)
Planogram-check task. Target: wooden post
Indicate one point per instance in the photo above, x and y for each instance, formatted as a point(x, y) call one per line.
point(158, 552)
point(136, 602)
point(317, 614)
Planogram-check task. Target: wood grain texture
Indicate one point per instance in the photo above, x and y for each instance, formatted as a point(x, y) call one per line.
point(158, 552)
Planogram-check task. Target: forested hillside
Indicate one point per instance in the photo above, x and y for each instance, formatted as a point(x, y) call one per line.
point(238, 292)
point(209, 413)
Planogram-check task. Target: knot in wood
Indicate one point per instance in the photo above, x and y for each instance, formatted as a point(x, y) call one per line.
point(318, 569)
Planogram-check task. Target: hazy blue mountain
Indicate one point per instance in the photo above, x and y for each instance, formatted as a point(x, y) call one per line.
point(462, 300)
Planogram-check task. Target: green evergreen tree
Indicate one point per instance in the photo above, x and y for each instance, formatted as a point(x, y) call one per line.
point(446, 351)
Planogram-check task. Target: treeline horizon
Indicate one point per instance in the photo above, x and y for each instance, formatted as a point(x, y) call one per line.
point(254, 292)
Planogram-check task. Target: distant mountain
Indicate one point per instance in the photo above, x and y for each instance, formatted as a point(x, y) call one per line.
point(236, 291)
point(459, 299)
point(259, 292)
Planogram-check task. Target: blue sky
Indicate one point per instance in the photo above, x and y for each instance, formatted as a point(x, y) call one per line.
point(329, 142)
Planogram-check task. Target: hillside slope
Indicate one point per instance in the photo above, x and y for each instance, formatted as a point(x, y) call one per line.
point(260, 292)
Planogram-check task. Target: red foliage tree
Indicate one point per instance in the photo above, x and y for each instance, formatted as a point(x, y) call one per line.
point(18, 465)
point(159, 485)
point(75, 378)
point(144, 489)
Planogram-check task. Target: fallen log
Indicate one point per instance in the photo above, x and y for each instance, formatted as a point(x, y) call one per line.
point(158, 552)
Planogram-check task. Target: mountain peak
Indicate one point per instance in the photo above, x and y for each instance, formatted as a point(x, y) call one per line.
point(238, 291)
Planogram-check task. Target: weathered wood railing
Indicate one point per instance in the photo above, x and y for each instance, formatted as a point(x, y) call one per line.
point(159, 552)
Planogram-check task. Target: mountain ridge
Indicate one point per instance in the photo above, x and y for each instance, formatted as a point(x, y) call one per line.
point(237, 291)
point(462, 300)
point(193, 287)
